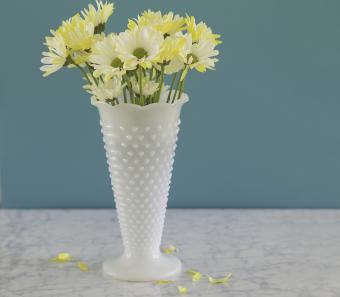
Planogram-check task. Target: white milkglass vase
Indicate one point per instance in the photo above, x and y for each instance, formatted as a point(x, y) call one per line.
point(140, 144)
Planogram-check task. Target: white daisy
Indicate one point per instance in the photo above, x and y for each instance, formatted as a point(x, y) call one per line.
point(57, 55)
point(105, 58)
point(174, 66)
point(139, 46)
point(149, 87)
point(106, 90)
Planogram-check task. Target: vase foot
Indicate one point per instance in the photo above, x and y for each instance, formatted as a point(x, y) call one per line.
point(143, 269)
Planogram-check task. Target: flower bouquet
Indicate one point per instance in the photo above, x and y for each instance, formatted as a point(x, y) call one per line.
point(136, 79)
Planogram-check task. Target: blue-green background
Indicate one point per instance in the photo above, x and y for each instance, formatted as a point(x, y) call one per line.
point(261, 131)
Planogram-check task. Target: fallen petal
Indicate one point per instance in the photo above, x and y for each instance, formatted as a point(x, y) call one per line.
point(219, 281)
point(182, 290)
point(194, 274)
point(62, 258)
point(170, 249)
point(82, 266)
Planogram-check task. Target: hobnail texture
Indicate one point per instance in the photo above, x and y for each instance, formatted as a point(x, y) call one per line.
point(140, 145)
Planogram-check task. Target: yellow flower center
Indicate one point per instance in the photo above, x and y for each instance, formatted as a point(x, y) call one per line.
point(140, 53)
point(116, 63)
point(68, 61)
point(192, 59)
point(99, 28)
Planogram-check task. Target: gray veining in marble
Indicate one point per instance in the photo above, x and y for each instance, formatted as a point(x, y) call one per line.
point(271, 253)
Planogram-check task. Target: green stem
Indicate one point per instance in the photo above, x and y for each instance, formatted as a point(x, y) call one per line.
point(160, 84)
point(124, 94)
point(140, 86)
point(128, 83)
point(83, 72)
point(181, 88)
point(151, 72)
point(91, 72)
point(157, 75)
point(135, 74)
point(177, 87)
point(124, 88)
point(171, 86)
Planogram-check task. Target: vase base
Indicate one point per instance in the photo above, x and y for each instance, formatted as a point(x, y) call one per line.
point(123, 268)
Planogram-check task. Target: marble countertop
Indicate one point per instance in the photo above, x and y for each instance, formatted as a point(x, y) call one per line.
point(271, 253)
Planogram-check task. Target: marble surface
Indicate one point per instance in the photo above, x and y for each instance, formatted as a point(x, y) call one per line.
point(271, 253)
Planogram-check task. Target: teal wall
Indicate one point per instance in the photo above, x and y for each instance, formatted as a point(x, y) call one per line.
point(261, 131)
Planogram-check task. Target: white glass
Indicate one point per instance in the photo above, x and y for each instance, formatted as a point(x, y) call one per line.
point(140, 144)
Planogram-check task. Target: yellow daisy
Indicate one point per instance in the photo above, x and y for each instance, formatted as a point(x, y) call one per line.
point(57, 55)
point(77, 33)
point(98, 17)
point(167, 24)
point(200, 31)
point(173, 53)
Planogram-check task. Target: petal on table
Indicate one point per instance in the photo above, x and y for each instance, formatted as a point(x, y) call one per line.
point(83, 266)
point(170, 249)
point(194, 274)
point(62, 258)
point(182, 290)
point(219, 281)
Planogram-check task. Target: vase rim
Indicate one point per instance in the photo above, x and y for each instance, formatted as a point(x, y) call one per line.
point(184, 98)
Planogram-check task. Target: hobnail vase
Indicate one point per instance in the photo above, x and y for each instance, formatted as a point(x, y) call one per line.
point(140, 144)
